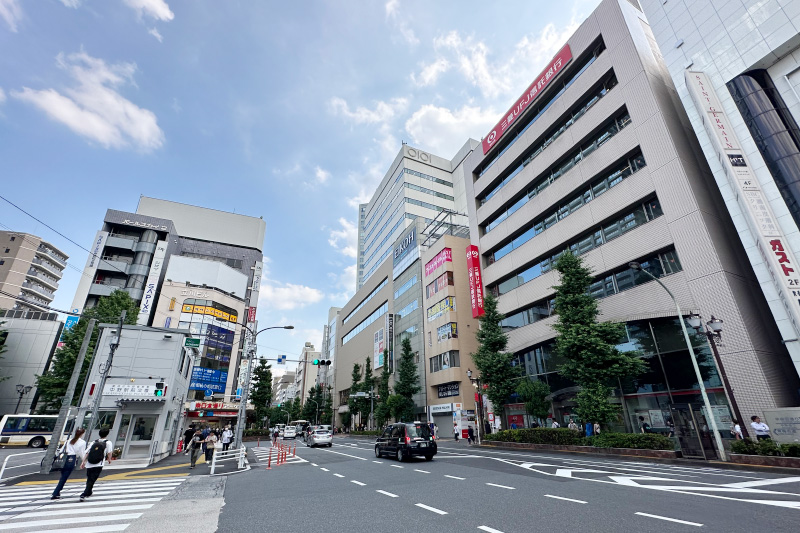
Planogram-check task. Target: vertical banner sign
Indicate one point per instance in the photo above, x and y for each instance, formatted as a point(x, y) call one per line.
point(377, 352)
point(389, 336)
point(475, 280)
point(149, 298)
point(89, 271)
point(254, 290)
point(552, 70)
point(771, 241)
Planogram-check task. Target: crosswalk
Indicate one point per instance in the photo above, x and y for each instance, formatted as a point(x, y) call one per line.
point(262, 454)
point(112, 506)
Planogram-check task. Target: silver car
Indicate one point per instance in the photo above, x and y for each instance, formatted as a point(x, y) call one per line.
point(320, 437)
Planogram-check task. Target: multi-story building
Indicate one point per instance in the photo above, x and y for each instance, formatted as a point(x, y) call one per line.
point(325, 373)
point(30, 269)
point(283, 388)
point(302, 380)
point(597, 158)
point(736, 67)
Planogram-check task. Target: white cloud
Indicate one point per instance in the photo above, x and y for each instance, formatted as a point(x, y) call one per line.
point(430, 73)
point(392, 7)
point(176, 105)
point(11, 12)
point(2, 95)
point(74, 4)
point(286, 296)
point(443, 131)
point(321, 174)
point(345, 281)
point(345, 239)
point(157, 9)
point(382, 112)
point(155, 33)
point(392, 12)
point(93, 108)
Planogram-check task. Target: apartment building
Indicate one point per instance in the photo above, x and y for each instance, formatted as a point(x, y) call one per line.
point(30, 270)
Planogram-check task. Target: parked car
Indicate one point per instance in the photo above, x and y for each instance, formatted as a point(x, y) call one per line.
point(405, 440)
point(319, 437)
point(289, 432)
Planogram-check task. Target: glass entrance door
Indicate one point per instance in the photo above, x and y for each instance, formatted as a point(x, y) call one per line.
point(692, 432)
point(140, 436)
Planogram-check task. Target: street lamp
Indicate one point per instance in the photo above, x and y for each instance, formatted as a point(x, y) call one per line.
point(242, 417)
point(316, 418)
point(720, 449)
point(22, 390)
point(476, 382)
point(713, 332)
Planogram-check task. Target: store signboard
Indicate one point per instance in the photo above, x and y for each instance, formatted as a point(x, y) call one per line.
point(447, 390)
point(128, 389)
point(475, 280)
point(150, 286)
point(784, 424)
point(442, 408)
point(445, 256)
point(377, 347)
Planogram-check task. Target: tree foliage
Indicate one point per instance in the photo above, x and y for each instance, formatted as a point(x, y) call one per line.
point(588, 347)
point(534, 394)
point(311, 410)
point(52, 385)
point(407, 384)
point(261, 395)
point(494, 364)
point(382, 412)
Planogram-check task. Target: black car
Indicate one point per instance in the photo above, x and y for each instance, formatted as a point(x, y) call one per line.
point(404, 440)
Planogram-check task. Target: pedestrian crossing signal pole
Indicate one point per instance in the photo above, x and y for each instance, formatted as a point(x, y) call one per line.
point(104, 375)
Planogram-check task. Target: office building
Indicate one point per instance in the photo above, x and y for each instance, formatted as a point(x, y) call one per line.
point(302, 379)
point(598, 158)
point(30, 269)
point(325, 373)
point(736, 68)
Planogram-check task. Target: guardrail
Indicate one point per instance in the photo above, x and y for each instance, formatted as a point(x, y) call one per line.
point(232, 454)
point(6, 467)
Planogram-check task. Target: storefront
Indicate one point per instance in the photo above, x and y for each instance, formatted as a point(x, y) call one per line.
point(212, 414)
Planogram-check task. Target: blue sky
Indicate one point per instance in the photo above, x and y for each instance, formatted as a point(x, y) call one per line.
point(287, 110)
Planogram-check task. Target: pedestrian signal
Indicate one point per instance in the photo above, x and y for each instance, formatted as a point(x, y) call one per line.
point(161, 389)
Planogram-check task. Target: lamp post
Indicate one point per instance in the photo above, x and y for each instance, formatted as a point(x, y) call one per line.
point(287, 415)
point(717, 439)
point(316, 418)
point(476, 382)
point(22, 390)
point(242, 417)
point(713, 332)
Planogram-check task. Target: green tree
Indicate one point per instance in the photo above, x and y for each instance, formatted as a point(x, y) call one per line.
point(492, 361)
point(310, 409)
point(382, 412)
point(399, 407)
point(52, 385)
point(534, 395)
point(3, 336)
point(261, 395)
point(588, 347)
point(407, 384)
point(326, 412)
point(356, 406)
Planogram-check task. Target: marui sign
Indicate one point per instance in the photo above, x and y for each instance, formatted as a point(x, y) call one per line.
point(475, 281)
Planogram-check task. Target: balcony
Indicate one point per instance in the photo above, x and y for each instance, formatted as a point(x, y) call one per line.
point(41, 277)
point(112, 265)
point(51, 255)
point(121, 241)
point(103, 289)
point(49, 267)
point(38, 290)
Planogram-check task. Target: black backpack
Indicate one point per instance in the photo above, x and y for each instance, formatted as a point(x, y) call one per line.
point(97, 452)
point(647, 428)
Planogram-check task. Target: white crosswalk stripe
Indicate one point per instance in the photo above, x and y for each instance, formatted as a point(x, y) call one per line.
point(112, 506)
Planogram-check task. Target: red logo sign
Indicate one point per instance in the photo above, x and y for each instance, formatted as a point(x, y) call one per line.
point(446, 255)
point(563, 57)
point(475, 281)
point(251, 314)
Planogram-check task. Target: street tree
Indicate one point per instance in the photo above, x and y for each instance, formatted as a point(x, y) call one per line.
point(261, 394)
point(494, 364)
point(534, 394)
point(407, 384)
point(589, 347)
point(326, 412)
point(382, 412)
point(356, 405)
point(52, 385)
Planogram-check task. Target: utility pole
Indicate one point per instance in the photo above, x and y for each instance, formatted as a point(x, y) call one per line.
point(66, 401)
point(104, 375)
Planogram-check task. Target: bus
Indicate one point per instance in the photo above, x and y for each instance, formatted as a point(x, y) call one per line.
point(34, 431)
point(299, 427)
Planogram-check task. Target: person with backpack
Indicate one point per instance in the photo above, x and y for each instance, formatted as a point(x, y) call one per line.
point(644, 426)
point(94, 460)
point(74, 449)
point(187, 438)
point(196, 447)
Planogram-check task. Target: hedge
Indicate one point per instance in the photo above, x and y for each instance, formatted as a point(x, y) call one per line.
point(765, 447)
point(365, 433)
point(638, 441)
point(569, 437)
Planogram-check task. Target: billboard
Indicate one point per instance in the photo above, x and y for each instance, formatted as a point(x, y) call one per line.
point(475, 280)
point(150, 287)
point(378, 347)
point(89, 271)
point(446, 255)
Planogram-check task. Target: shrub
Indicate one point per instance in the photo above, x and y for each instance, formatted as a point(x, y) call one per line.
point(791, 450)
point(744, 447)
point(639, 441)
point(560, 436)
point(768, 447)
point(366, 433)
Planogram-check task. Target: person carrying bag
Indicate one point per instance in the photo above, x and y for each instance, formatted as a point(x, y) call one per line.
point(71, 450)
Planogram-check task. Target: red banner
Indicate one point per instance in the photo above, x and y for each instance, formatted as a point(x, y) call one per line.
point(475, 280)
point(563, 57)
point(446, 255)
point(251, 315)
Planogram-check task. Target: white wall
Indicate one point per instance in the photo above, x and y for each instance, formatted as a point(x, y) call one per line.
point(204, 271)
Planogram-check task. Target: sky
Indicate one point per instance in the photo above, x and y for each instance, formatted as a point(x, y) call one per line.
point(291, 111)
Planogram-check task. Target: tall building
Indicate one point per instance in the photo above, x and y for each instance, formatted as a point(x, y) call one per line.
point(736, 68)
point(597, 158)
point(325, 373)
point(303, 380)
point(30, 269)
point(417, 184)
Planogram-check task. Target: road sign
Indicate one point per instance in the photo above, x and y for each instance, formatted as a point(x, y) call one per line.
point(189, 342)
point(209, 392)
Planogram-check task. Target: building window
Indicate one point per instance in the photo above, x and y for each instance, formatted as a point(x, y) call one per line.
point(8, 250)
point(13, 239)
point(447, 332)
point(445, 360)
point(2, 262)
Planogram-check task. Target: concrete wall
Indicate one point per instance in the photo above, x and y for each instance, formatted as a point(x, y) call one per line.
point(205, 272)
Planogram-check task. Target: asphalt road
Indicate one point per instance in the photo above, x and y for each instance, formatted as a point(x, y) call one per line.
point(345, 488)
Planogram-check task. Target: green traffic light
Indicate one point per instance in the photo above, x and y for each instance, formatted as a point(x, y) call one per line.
point(159, 392)
point(315, 362)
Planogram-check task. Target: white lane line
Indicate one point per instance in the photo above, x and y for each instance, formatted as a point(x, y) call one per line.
point(500, 486)
point(324, 469)
point(388, 494)
point(431, 509)
point(455, 477)
point(423, 471)
point(78, 510)
point(378, 462)
point(358, 483)
point(58, 521)
point(565, 499)
point(397, 466)
point(489, 529)
point(346, 454)
point(313, 464)
point(338, 475)
point(670, 519)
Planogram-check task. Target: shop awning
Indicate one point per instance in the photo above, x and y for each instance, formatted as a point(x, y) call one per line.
point(142, 400)
point(343, 409)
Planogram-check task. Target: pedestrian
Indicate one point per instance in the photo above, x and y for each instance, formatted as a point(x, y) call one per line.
point(736, 430)
point(187, 438)
point(211, 442)
point(513, 425)
point(436, 432)
point(535, 424)
point(761, 429)
point(455, 431)
point(94, 460)
point(74, 449)
point(206, 431)
point(671, 426)
point(572, 425)
point(227, 436)
point(197, 447)
point(555, 425)
point(596, 428)
point(470, 435)
point(644, 426)
point(487, 428)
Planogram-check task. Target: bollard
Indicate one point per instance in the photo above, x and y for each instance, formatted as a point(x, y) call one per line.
point(294, 449)
point(259, 443)
point(269, 461)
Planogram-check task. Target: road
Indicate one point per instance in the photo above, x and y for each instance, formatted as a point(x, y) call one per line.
point(345, 488)
point(20, 464)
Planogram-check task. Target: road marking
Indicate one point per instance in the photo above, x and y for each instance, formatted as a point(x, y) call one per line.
point(565, 499)
point(379, 462)
point(431, 509)
point(670, 519)
point(423, 471)
point(455, 477)
point(358, 483)
point(500, 486)
point(397, 466)
point(58, 521)
point(338, 475)
point(313, 464)
point(324, 469)
point(489, 529)
point(346, 454)
point(388, 494)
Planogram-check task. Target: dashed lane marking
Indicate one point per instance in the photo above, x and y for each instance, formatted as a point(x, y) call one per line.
point(431, 509)
point(670, 519)
point(423, 471)
point(324, 469)
point(455, 477)
point(489, 529)
point(358, 483)
point(500, 486)
point(346, 455)
point(388, 494)
point(338, 475)
point(565, 499)
point(378, 462)
point(397, 466)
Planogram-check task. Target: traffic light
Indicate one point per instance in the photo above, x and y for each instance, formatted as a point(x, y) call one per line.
point(321, 362)
point(315, 362)
point(278, 405)
point(161, 389)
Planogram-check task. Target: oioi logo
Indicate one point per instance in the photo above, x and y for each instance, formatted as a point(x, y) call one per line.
point(492, 137)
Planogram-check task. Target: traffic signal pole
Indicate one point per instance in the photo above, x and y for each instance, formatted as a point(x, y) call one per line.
point(104, 375)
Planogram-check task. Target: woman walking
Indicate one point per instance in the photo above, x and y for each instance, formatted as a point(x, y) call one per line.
point(74, 449)
point(197, 447)
point(211, 442)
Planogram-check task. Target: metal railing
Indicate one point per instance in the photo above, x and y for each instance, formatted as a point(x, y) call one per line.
point(36, 464)
point(232, 454)
point(54, 256)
